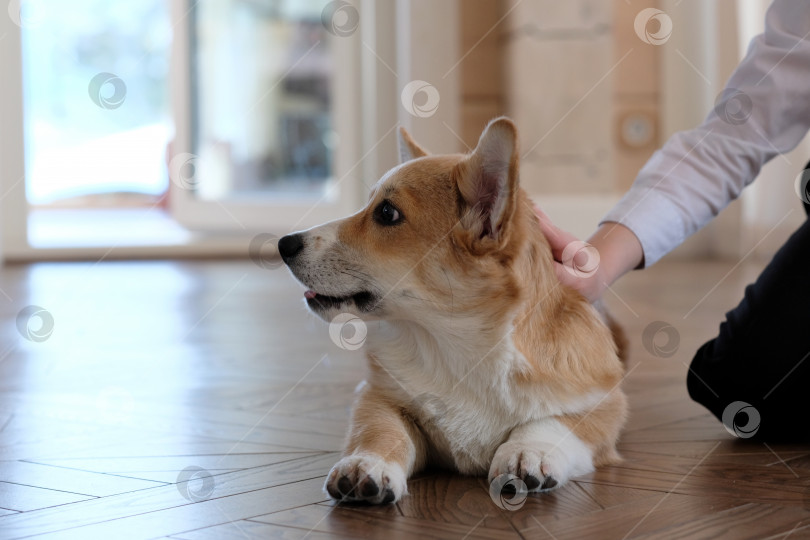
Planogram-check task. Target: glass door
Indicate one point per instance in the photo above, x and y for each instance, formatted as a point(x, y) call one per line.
point(96, 109)
point(264, 96)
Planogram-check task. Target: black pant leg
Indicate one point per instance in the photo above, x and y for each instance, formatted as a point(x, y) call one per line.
point(762, 353)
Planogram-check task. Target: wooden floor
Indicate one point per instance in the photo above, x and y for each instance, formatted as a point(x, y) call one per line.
point(200, 401)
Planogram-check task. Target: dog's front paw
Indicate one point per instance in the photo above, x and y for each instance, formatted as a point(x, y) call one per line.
point(366, 478)
point(540, 470)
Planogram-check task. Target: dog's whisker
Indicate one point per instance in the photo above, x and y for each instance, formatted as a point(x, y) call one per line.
point(365, 280)
point(361, 275)
point(360, 272)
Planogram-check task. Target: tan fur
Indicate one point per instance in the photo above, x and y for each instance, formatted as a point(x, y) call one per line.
point(472, 318)
point(598, 428)
point(619, 336)
point(381, 426)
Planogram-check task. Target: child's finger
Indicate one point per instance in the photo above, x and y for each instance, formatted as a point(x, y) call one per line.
point(556, 237)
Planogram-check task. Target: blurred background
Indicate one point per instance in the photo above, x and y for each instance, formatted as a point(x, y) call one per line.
point(175, 128)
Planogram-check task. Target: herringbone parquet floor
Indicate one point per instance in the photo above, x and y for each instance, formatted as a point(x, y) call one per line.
point(199, 400)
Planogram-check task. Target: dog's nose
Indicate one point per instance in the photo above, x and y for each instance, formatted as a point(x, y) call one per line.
point(289, 246)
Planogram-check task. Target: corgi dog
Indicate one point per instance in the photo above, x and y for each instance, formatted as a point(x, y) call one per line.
point(479, 359)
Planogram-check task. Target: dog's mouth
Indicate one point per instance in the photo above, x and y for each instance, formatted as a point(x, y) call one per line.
point(363, 300)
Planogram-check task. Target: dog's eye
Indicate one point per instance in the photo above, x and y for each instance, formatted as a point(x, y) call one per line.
point(387, 214)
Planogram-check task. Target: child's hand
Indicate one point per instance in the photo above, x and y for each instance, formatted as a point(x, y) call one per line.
point(590, 268)
point(576, 263)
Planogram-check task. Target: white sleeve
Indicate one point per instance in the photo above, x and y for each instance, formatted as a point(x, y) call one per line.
point(764, 111)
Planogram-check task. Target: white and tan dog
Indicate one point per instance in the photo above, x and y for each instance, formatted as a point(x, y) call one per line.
point(479, 360)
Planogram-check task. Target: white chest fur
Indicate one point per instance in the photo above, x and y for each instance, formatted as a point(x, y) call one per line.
point(466, 396)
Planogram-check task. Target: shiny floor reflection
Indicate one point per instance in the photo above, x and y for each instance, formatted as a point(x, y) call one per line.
point(201, 400)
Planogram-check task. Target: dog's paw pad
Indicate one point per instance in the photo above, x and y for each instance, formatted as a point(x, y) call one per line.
point(366, 478)
point(539, 470)
point(345, 486)
point(333, 492)
point(549, 483)
point(532, 482)
point(369, 488)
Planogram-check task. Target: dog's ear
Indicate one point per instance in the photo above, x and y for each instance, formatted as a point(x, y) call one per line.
point(408, 149)
point(488, 181)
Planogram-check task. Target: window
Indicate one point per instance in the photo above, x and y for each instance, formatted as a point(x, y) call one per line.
point(262, 83)
point(96, 95)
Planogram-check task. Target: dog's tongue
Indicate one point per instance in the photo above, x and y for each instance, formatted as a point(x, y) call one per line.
point(310, 294)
